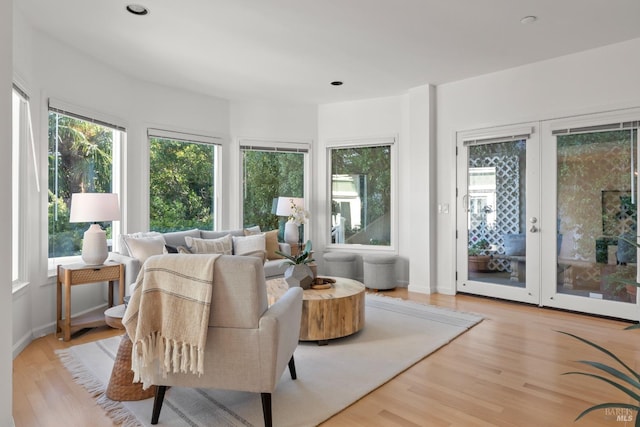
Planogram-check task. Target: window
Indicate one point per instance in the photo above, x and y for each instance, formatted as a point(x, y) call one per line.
point(182, 181)
point(81, 159)
point(269, 171)
point(361, 183)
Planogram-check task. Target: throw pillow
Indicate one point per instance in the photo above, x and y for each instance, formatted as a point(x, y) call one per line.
point(252, 230)
point(124, 250)
point(142, 248)
point(271, 238)
point(171, 249)
point(246, 244)
point(222, 245)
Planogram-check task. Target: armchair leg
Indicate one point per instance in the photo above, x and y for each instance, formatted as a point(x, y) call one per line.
point(292, 368)
point(266, 408)
point(157, 403)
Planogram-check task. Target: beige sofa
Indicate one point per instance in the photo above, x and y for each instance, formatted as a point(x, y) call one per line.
point(272, 267)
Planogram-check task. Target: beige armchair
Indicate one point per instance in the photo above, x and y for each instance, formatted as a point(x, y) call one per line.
point(249, 344)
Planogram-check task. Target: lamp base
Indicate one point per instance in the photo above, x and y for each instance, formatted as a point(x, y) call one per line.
point(94, 246)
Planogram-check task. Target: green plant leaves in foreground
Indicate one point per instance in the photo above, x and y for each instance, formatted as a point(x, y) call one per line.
point(628, 382)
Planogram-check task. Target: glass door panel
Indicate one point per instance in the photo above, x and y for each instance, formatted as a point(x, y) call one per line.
point(496, 206)
point(499, 203)
point(597, 214)
point(591, 192)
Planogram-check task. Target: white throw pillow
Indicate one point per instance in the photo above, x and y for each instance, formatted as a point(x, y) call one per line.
point(142, 248)
point(124, 250)
point(223, 245)
point(246, 244)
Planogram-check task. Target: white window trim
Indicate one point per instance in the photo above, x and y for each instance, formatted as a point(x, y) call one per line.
point(279, 145)
point(117, 181)
point(373, 141)
point(25, 137)
point(191, 137)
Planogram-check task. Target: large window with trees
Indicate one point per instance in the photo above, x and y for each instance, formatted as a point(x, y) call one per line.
point(82, 159)
point(269, 171)
point(361, 193)
point(182, 181)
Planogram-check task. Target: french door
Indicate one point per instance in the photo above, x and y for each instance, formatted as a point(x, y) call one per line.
point(498, 219)
point(547, 213)
point(593, 197)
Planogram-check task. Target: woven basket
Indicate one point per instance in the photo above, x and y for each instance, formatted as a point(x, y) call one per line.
point(121, 386)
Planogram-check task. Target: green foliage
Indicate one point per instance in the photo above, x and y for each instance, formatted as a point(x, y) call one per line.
point(267, 175)
point(303, 257)
point(80, 160)
point(181, 185)
point(626, 380)
point(583, 174)
point(373, 167)
point(478, 247)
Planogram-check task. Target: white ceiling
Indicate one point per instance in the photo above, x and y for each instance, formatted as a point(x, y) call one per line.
point(290, 50)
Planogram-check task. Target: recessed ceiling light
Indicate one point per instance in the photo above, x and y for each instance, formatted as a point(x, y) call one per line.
point(529, 19)
point(336, 83)
point(137, 9)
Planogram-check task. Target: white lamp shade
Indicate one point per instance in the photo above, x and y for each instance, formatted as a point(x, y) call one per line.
point(284, 205)
point(94, 207)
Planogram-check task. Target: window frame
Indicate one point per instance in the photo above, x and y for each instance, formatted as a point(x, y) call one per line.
point(117, 181)
point(365, 142)
point(21, 137)
point(302, 147)
point(194, 138)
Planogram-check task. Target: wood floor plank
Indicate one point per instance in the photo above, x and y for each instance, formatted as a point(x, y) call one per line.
point(506, 371)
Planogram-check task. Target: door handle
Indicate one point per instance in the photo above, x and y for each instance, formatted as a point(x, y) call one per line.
point(533, 220)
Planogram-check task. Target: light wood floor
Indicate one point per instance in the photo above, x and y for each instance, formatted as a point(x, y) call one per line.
point(506, 371)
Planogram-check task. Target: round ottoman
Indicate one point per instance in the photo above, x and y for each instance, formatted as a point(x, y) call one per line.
point(340, 264)
point(379, 271)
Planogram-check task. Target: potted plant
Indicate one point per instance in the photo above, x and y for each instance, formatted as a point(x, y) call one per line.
point(478, 258)
point(299, 272)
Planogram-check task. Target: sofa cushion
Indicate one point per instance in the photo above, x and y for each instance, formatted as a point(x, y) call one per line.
point(515, 244)
point(222, 245)
point(142, 248)
point(246, 244)
point(177, 238)
point(207, 234)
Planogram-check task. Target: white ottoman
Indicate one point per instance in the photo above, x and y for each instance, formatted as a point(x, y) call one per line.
point(340, 264)
point(379, 271)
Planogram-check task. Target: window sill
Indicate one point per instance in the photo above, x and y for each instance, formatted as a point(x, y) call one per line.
point(52, 269)
point(19, 287)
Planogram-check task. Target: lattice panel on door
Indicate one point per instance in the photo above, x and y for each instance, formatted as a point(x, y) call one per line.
point(507, 209)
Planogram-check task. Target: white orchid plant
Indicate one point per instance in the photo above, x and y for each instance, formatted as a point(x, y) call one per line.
point(298, 214)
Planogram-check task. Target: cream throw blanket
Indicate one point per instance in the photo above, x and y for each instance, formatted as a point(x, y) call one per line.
point(168, 315)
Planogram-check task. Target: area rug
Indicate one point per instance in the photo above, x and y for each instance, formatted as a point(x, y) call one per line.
point(397, 334)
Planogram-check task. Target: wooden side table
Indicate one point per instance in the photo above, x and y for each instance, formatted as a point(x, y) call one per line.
point(81, 274)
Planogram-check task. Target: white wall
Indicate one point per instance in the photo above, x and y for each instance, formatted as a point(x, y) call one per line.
point(6, 61)
point(371, 118)
point(267, 121)
point(592, 81)
point(47, 68)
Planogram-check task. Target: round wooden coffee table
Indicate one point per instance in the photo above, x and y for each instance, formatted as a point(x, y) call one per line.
point(326, 313)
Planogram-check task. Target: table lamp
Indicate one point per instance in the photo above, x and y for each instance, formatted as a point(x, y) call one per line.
point(94, 207)
point(291, 228)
